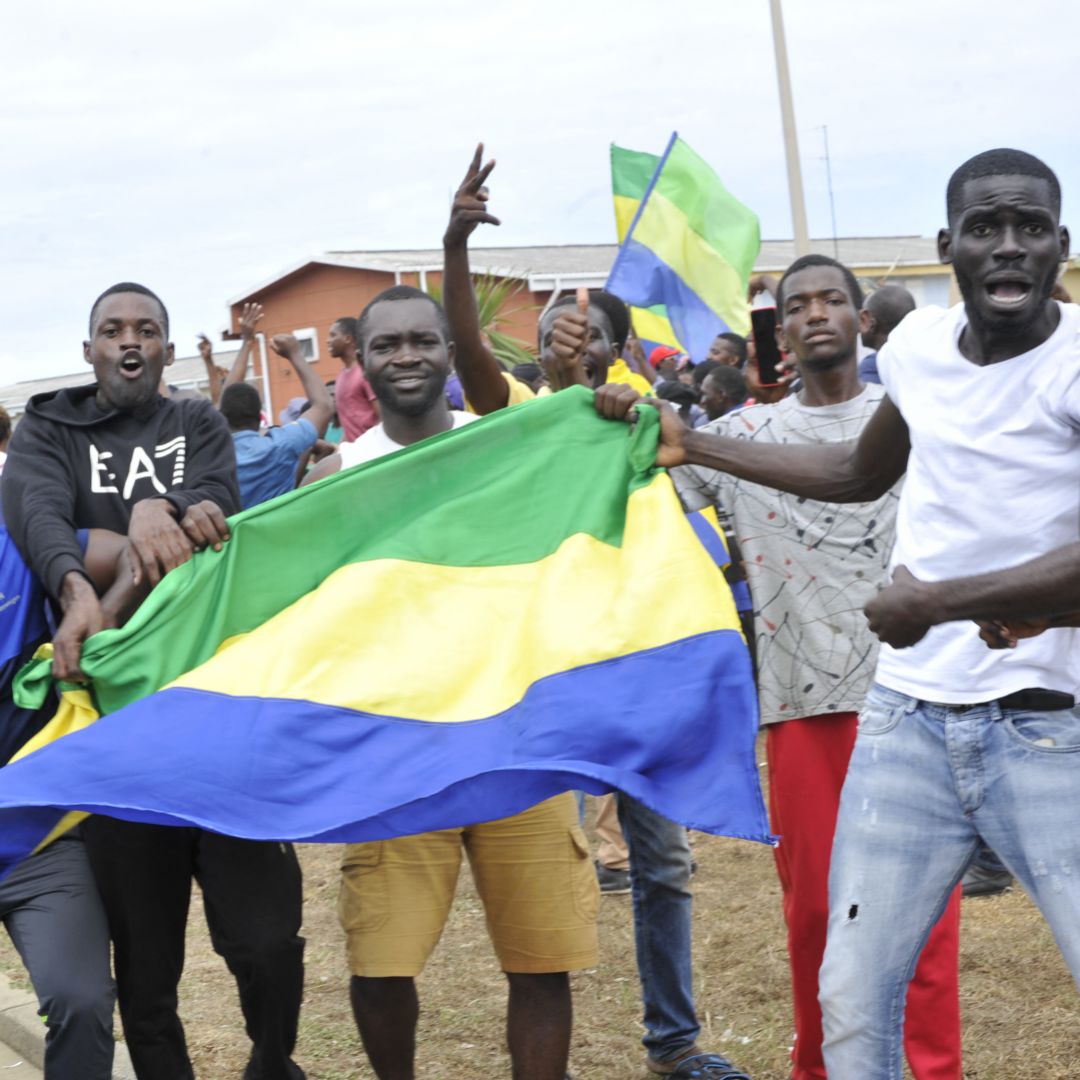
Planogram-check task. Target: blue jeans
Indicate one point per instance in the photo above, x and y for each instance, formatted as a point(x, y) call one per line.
point(924, 783)
point(660, 888)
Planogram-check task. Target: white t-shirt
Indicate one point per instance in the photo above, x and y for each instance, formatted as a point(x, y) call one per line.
point(993, 480)
point(374, 443)
point(811, 566)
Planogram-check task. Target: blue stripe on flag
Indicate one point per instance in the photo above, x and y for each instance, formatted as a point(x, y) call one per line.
point(640, 278)
point(296, 770)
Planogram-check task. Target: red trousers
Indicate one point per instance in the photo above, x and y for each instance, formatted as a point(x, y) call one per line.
point(808, 759)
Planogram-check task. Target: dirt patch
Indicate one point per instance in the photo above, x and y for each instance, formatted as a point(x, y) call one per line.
point(1020, 1007)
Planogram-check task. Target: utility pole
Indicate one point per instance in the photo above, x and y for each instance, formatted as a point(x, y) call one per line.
point(832, 201)
point(791, 142)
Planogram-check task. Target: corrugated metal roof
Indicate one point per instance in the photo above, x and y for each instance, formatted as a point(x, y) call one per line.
point(541, 263)
point(597, 258)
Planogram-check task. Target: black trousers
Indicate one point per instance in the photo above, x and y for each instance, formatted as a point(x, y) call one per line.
point(252, 895)
point(51, 909)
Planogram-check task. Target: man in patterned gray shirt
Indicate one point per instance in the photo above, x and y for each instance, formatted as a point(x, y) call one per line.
point(812, 567)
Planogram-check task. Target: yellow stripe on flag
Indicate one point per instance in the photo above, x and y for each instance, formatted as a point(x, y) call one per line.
point(485, 634)
point(652, 327)
point(663, 228)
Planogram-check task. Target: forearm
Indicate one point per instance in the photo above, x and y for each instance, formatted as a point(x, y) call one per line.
point(213, 377)
point(75, 588)
point(825, 473)
point(481, 374)
point(315, 391)
point(1046, 586)
point(123, 597)
point(238, 372)
point(41, 528)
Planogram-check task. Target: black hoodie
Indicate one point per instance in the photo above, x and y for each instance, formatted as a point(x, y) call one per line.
point(73, 465)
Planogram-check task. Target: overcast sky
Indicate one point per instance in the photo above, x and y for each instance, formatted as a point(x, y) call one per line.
point(202, 147)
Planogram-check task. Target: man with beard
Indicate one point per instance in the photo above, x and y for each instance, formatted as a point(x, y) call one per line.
point(812, 566)
point(532, 870)
point(580, 337)
point(955, 741)
point(117, 455)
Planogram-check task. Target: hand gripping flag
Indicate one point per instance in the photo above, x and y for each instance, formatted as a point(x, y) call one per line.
point(690, 247)
point(446, 635)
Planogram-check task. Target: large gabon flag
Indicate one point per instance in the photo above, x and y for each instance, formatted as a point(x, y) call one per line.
point(446, 635)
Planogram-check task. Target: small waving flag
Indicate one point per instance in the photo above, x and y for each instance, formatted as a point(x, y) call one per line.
point(690, 247)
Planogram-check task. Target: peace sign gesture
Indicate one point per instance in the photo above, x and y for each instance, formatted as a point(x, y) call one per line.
point(470, 203)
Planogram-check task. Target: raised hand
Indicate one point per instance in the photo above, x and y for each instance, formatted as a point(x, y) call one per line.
point(206, 350)
point(286, 345)
point(470, 203)
point(249, 319)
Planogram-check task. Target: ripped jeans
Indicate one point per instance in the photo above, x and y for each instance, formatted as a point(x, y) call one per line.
point(925, 782)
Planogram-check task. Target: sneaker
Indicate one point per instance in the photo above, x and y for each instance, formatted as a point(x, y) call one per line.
point(979, 882)
point(611, 881)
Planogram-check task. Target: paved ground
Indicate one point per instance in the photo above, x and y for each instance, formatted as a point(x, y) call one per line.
point(13, 1066)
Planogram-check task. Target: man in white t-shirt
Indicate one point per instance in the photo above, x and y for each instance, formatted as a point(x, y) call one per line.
point(811, 567)
point(956, 740)
point(532, 870)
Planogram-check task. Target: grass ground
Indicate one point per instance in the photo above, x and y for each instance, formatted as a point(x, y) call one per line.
point(1020, 1009)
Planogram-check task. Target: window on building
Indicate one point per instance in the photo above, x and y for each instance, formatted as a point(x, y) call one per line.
point(309, 343)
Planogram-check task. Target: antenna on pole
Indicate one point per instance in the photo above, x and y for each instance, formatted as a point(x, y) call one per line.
point(791, 142)
point(832, 201)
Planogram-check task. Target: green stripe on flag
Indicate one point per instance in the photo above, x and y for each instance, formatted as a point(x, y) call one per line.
point(477, 496)
point(631, 171)
point(711, 211)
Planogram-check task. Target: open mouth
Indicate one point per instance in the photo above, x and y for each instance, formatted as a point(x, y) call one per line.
point(1008, 293)
point(131, 366)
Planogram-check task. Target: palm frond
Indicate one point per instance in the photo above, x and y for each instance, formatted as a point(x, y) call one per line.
point(494, 305)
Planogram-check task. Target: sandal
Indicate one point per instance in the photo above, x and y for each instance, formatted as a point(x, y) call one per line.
point(699, 1067)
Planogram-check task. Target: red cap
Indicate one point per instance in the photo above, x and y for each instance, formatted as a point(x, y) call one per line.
point(662, 353)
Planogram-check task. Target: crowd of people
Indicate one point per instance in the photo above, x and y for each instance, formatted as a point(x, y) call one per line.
point(861, 494)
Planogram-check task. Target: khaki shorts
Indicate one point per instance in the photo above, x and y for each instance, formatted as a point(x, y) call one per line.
point(533, 873)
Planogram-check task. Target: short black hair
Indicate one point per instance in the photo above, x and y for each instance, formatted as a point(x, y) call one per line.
point(889, 305)
point(730, 380)
point(401, 292)
point(617, 313)
point(349, 326)
point(241, 405)
point(526, 373)
point(706, 367)
point(738, 344)
point(676, 392)
point(1000, 162)
point(130, 287)
point(807, 261)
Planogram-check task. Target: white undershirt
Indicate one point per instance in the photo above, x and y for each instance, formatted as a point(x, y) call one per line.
point(374, 443)
point(993, 480)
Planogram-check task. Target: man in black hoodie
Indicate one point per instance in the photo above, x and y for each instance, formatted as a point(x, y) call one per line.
point(116, 455)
